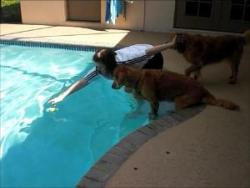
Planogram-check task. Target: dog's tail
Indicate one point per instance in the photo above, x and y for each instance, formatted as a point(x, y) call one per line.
point(211, 100)
point(246, 36)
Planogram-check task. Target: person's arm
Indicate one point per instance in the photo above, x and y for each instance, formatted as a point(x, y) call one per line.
point(74, 87)
point(161, 47)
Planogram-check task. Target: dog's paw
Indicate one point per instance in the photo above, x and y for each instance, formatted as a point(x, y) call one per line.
point(134, 114)
point(232, 81)
point(152, 116)
point(128, 90)
point(187, 73)
point(196, 77)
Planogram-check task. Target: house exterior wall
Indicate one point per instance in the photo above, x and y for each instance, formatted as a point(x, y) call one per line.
point(75, 10)
point(145, 15)
point(159, 15)
point(43, 11)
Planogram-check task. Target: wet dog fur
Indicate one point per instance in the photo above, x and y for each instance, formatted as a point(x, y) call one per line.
point(158, 85)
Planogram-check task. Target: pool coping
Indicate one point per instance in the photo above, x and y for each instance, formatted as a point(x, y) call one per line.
point(68, 45)
point(50, 44)
point(110, 162)
point(104, 168)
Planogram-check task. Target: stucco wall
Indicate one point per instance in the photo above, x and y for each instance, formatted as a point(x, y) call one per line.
point(43, 11)
point(159, 15)
point(83, 10)
point(147, 15)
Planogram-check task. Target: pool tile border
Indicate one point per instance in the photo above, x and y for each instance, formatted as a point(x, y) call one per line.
point(46, 44)
point(103, 170)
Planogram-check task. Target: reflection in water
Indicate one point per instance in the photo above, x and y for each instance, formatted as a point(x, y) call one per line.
point(40, 148)
point(29, 77)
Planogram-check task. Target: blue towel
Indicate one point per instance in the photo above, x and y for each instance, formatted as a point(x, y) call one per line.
point(113, 9)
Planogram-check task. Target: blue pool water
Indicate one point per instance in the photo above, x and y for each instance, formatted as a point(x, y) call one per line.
point(55, 149)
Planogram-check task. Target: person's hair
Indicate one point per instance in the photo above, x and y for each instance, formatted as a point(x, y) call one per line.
point(107, 58)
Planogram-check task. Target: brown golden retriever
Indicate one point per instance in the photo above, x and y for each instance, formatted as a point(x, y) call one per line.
point(158, 85)
point(200, 50)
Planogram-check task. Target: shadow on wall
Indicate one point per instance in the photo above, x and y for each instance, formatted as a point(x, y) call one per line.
point(10, 13)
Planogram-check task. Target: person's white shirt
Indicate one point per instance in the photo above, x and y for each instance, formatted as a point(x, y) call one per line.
point(135, 55)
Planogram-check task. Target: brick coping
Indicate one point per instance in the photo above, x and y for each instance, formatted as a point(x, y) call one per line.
point(104, 169)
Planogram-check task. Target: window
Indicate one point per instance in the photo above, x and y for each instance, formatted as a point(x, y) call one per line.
point(200, 8)
point(240, 10)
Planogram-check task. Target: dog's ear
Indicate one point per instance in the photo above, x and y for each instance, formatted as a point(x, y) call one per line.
point(122, 69)
point(120, 75)
point(180, 42)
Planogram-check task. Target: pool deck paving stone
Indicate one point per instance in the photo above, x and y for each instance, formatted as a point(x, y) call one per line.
point(112, 160)
point(197, 147)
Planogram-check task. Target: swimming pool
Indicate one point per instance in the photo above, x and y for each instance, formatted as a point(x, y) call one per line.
point(55, 149)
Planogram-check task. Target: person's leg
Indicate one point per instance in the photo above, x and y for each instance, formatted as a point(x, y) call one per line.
point(154, 63)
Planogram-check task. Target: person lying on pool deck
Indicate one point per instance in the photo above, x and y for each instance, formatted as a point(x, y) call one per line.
point(142, 56)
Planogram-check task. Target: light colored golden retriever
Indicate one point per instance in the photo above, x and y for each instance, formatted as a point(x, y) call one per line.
point(157, 85)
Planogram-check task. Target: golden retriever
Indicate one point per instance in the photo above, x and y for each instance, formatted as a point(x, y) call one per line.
point(200, 50)
point(159, 85)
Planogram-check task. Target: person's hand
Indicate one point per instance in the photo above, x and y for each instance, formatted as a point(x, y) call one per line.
point(56, 100)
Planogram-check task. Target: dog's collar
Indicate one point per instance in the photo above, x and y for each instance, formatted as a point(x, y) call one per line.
point(137, 90)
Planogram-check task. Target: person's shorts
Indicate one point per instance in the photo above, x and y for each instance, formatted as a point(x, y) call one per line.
point(155, 62)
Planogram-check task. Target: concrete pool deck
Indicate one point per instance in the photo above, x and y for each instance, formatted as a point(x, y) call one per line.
point(211, 149)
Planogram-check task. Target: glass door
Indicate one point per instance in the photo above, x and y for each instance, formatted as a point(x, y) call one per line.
point(220, 15)
point(235, 16)
point(196, 14)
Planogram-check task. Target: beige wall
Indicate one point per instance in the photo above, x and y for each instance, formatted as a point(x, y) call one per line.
point(83, 10)
point(159, 15)
point(147, 15)
point(43, 11)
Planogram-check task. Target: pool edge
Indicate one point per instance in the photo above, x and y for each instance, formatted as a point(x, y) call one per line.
point(104, 169)
point(49, 44)
point(71, 45)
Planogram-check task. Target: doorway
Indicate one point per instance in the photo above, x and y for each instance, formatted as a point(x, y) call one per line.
point(229, 15)
point(84, 10)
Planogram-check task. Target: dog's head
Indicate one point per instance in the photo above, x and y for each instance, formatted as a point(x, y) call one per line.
point(119, 75)
point(124, 76)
